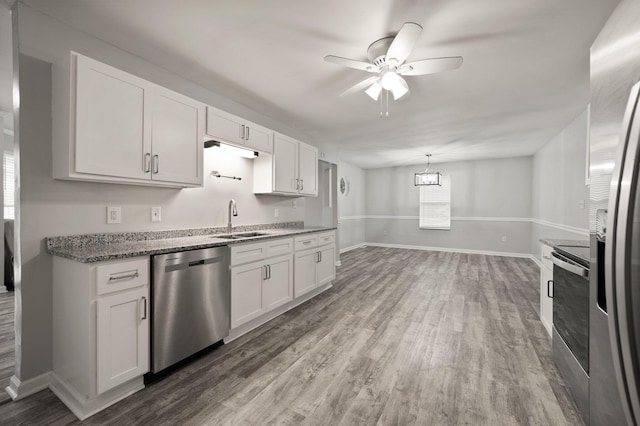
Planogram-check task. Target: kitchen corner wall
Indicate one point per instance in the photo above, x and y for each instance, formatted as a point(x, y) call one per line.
point(53, 207)
point(351, 207)
point(490, 199)
point(559, 186)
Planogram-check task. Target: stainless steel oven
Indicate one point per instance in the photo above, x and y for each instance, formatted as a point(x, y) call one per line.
point(571, 321)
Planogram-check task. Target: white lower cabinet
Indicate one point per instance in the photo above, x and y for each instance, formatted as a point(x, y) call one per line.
point(262, 285)
point(314, 261)
point(122, 337)
point(100, 331)
point(546, 289)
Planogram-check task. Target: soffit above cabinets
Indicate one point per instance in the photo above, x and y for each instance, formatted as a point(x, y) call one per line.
point(525, 73)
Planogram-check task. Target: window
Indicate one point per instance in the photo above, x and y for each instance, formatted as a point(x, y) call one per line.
point(9, 180)
point(435, 205)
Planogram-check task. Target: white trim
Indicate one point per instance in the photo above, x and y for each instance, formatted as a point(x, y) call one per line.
point(84, 407)
point(346, 249)
point(581, 231)
point(351, 218)
point(568, 228)
point(18, 389)
point(454, 250)
point(538, 262)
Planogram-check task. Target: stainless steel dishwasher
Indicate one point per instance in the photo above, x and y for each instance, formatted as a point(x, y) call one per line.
point(190, 304)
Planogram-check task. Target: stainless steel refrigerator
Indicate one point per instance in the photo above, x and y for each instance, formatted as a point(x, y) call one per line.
point(614, 168)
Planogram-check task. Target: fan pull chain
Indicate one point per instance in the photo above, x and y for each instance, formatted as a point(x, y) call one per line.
point(387, 103)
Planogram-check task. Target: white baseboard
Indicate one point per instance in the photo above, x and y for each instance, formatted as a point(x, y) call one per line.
point(455, 250)
point(19, 389)
point(357, 246)
point(83, 407)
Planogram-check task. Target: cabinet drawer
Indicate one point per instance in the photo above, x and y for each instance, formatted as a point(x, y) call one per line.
point(244, 253)
point(119, 276)
point(279, 246)
point(326, 238)
point(545, 256)
point(306, 241)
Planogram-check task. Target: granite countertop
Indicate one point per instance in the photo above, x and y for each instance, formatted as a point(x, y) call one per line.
point(558, 242)
point(89, 248)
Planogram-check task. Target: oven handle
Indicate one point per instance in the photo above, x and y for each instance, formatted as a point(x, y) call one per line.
point(568, 265)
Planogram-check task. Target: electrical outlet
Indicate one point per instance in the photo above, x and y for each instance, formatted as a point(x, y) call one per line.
point(156, 214)
point(276, 213)
point(114, 214)
point(582, 204)
point(504, 238)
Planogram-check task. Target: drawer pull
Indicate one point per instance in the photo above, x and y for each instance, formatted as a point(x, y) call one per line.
point(128, 276)
point(306, 242)
point(550, 289)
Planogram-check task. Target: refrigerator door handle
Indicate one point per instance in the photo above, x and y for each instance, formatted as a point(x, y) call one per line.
point(618, 258)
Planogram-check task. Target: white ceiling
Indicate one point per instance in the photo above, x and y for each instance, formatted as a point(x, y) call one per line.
point(525, 74)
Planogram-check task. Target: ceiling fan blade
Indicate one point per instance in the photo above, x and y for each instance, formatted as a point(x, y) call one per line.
point(352, 63)
point(403, 43)
point(360, 86)
point(431, 66)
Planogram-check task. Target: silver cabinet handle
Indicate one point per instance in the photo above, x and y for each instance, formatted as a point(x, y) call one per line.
point(244, 130)
point(306, 242)
point(241, 131)
point(301, 184)
point(247, 138)
point(297, 183)
point(144, 304)
point(550, 289)
point(268, 272)
point(147, 162)
point(317, 257)
point(128, 275)
point(264, 272)
point(320, 256)
point(156, 164)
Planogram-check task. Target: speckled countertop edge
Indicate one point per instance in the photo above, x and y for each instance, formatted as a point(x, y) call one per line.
point(90, 248)
point(558, 242)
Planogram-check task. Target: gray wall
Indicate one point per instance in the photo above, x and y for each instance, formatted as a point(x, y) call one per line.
point(490, 199)
point(351, 207)
point(559, 186)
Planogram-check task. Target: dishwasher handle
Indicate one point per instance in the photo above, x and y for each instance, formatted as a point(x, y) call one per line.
point(569, 265)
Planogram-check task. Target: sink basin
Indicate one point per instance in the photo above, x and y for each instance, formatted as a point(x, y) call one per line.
point(240, 235)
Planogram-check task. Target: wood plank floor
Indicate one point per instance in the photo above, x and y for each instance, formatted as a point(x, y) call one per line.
point(404, 337)
point(7, 341)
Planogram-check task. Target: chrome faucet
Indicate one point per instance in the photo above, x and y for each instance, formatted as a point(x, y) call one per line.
point(232, 212)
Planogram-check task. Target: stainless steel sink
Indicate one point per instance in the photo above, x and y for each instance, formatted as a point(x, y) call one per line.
point(240, 235)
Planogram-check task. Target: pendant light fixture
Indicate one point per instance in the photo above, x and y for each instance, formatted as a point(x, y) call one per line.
point(427, 177)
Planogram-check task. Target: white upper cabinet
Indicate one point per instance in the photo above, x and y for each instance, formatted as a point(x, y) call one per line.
point(291, 170)
point(228, 128)
point(116, 127)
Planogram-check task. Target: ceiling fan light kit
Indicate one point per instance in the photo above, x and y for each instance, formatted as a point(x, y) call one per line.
point(387, 58)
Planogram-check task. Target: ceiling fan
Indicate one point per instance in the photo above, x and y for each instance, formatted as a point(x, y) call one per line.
point(387, 58)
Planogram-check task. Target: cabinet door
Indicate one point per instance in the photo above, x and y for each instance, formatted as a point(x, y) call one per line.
point(246, 292)
point(224, 127)
point(305, 279)
point(122, 337)
point(177, 138)
point(327, 266)
point(258, 138)
point(278, 287)
point(285, 162)
point(546, 302)
point(112, 131)
point(308, 169)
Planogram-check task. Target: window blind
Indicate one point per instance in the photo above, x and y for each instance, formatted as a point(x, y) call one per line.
point(9, 183)
point(435, 205)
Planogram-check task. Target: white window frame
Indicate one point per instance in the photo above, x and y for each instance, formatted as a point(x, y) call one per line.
point(435, 205)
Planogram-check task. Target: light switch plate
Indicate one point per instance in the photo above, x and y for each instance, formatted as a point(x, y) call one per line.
point(156, 214)
point(114, 214)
